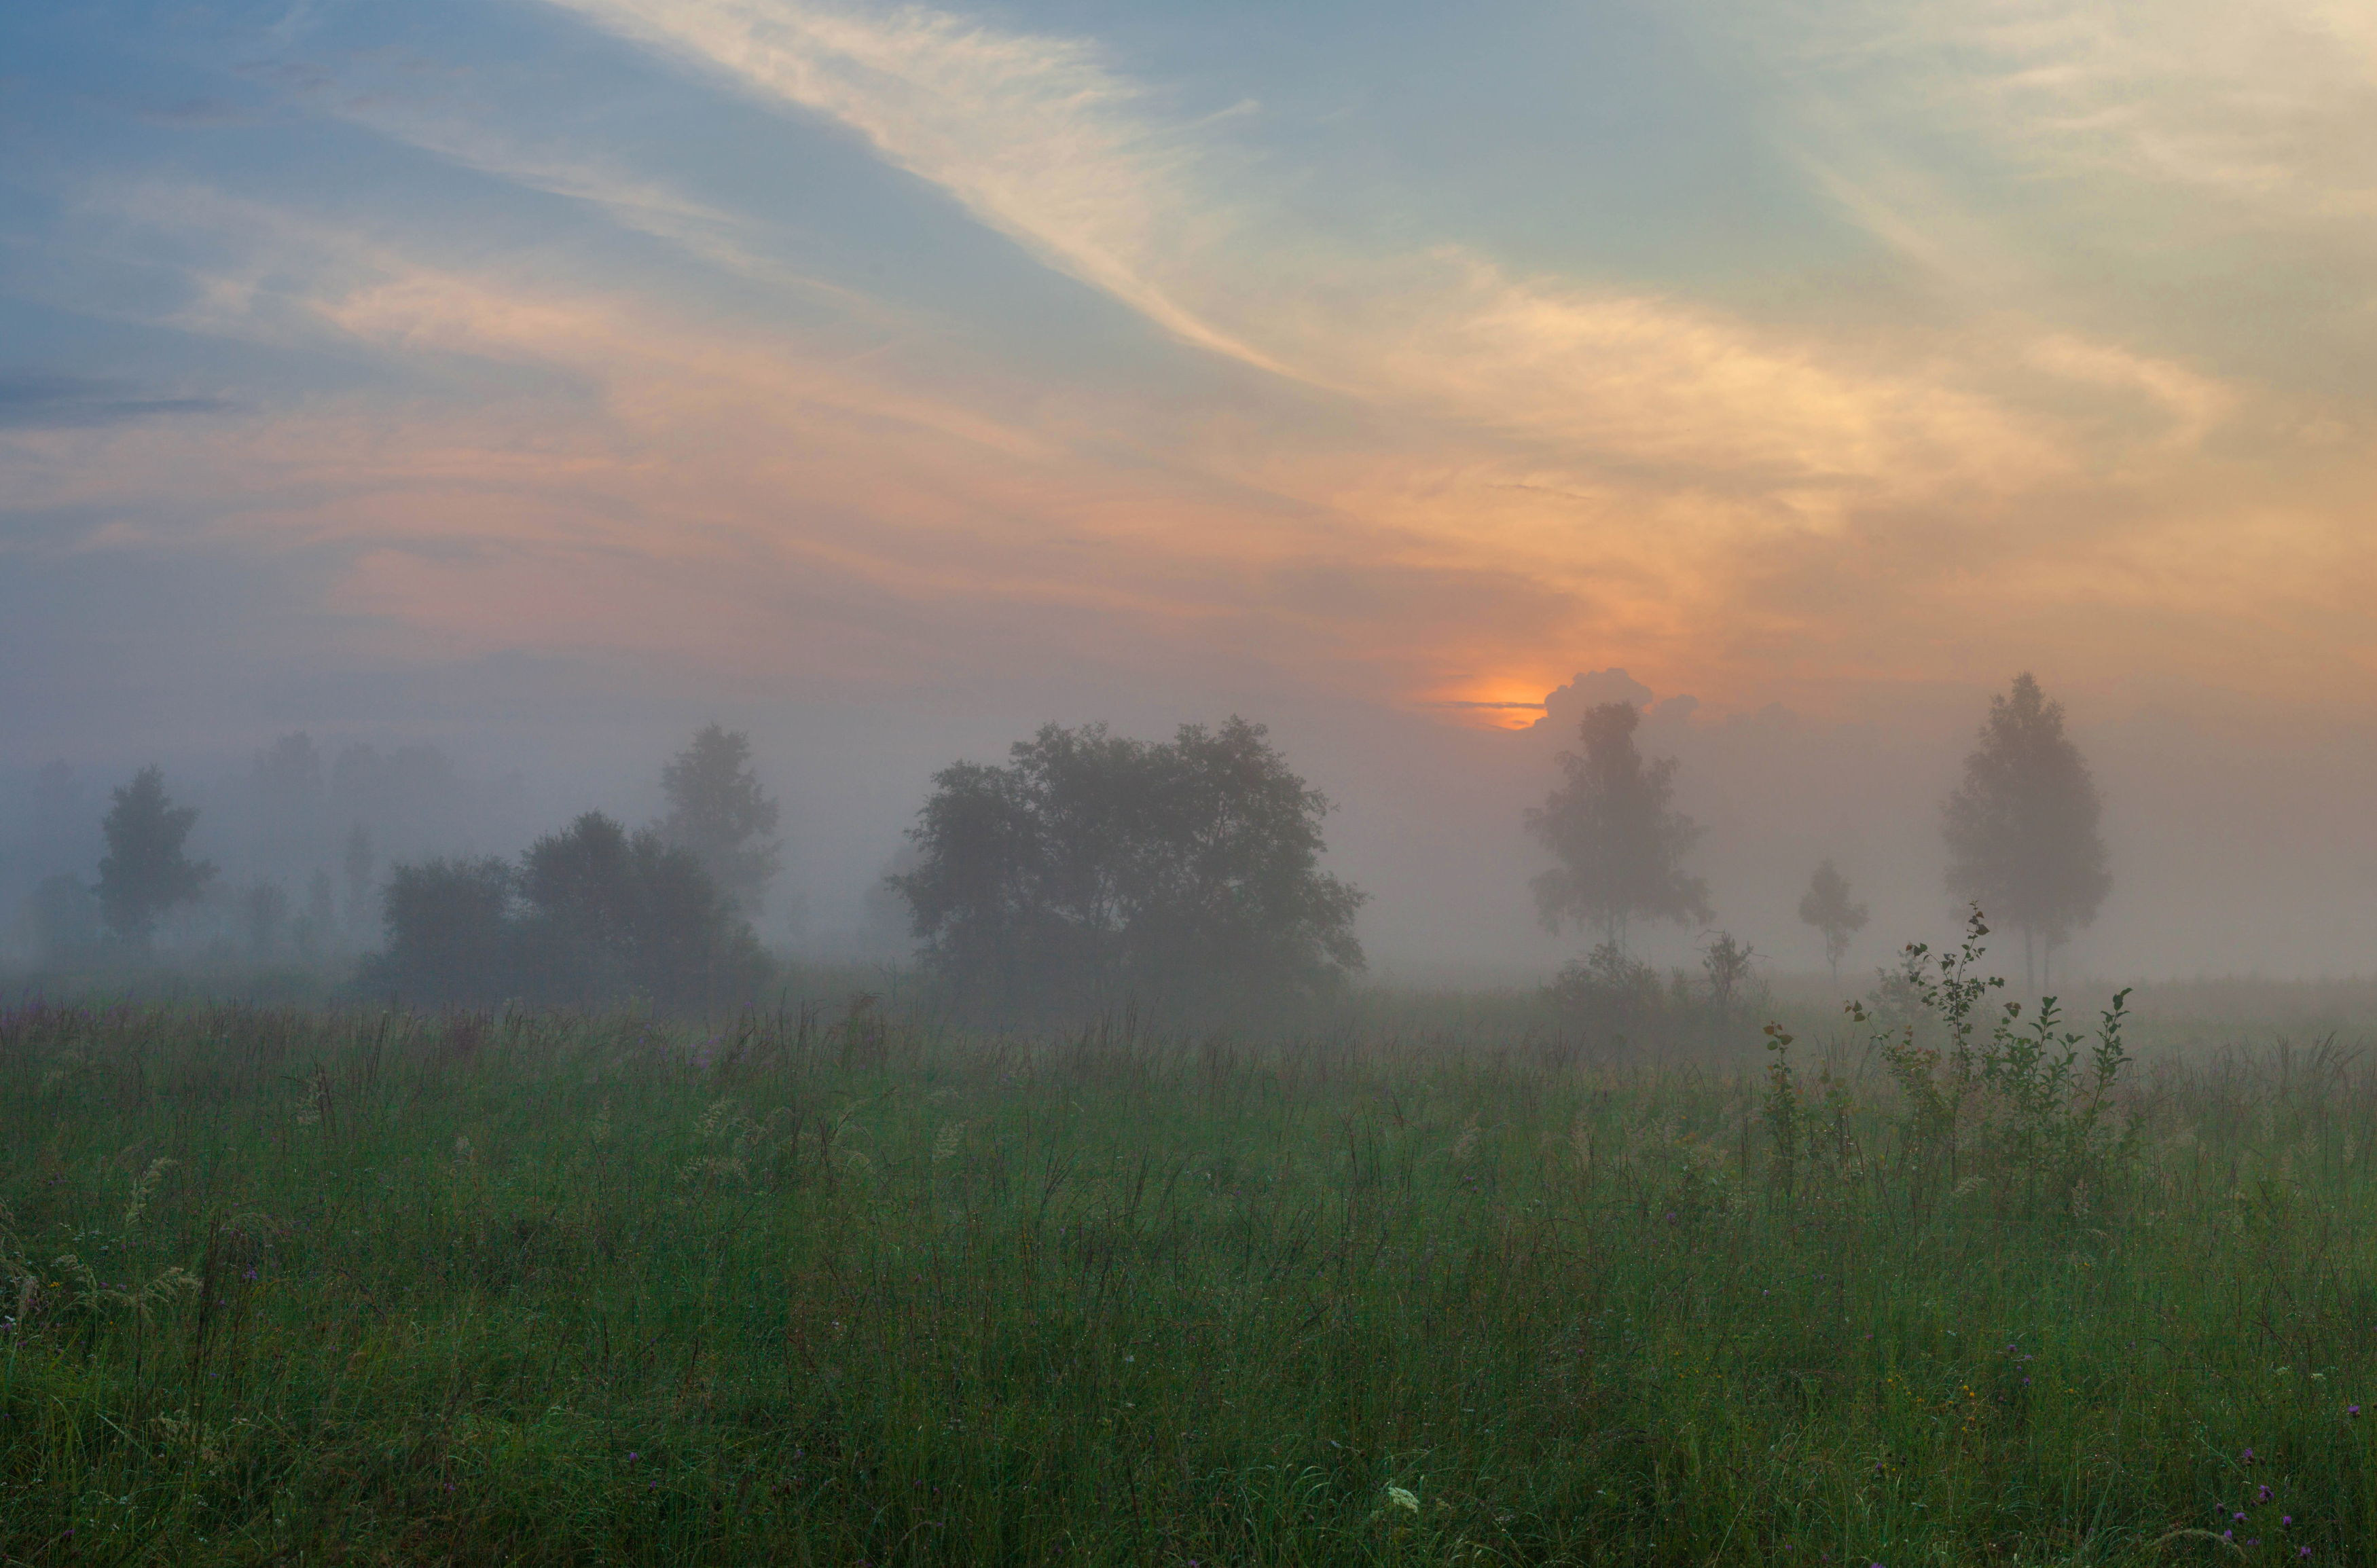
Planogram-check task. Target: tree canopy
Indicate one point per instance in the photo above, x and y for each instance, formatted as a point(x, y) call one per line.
point(145, 872)
point(2022, 828)
point(718, 811)
point(1093, 867)
point(589, 915)
point(1826, 906)
point(1619, 842)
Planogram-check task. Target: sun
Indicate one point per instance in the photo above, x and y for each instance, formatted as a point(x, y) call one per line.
point(1494, 705)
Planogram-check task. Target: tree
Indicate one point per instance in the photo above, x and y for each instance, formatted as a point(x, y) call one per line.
point(1620, 843)
point(144, 873)
point(589, 915)
point(2022, 828)
point(1096, 869)
point(1728, 963)
point(1826, 906)
point(716, 809)
point(610, 912)
point(450, 932)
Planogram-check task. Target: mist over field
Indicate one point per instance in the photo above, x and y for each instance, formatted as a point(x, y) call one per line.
point(2233, 852)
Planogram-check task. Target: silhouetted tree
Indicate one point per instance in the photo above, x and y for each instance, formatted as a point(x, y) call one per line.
point(144, 873)
point(1094, 867)
point(589, 915)
point(1727, 963)
point(1826, 906)
point(609, 912)
point(1619, 842)
point(2022, 828)
point(718, 811)
point(450, 931)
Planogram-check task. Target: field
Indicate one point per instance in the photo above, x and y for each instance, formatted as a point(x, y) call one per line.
point(317, 1286)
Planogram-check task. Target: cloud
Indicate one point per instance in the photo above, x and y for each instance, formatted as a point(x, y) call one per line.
point(1043, 141)
point(2271, 108)
point(1033, 135)
point(2192, 402)
point(40, 401)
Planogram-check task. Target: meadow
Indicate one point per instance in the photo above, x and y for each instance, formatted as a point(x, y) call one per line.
point(329, 1284)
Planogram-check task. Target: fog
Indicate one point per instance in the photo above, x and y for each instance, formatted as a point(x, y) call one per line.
point(2232, 851)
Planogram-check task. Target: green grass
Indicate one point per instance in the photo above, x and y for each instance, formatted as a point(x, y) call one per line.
point(560, 1291)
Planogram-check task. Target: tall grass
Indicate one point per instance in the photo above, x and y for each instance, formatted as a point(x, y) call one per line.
point(375, 1288)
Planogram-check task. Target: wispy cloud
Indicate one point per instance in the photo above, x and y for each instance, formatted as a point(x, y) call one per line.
point(1033, 135)
point(42, 401)
point(1044, 140)
point(2271, 107)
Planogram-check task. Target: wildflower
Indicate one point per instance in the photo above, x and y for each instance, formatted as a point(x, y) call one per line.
point(1400, 1497)
point(2352, 1412)
point(2266, 1493)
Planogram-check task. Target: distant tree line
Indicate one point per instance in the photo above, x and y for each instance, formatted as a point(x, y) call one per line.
point(1092, 871)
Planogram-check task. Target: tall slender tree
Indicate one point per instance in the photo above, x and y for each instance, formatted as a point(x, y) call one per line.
point(145, 873)
point(1826, 906)
point(2022, 828)
point(718, 811)
point(1612, 825)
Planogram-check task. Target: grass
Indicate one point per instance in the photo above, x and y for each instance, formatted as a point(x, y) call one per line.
point(372, 1288)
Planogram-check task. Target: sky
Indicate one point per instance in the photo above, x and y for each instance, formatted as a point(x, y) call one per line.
point(541, 377)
